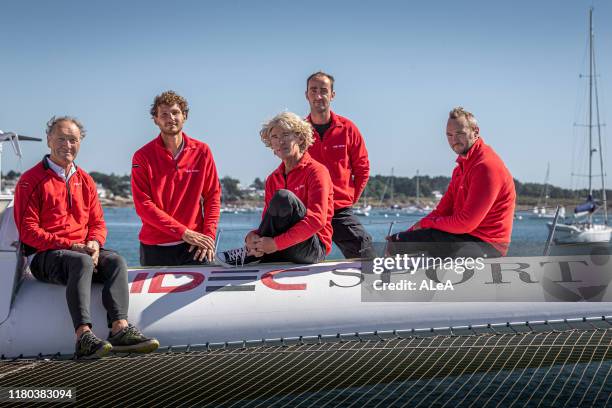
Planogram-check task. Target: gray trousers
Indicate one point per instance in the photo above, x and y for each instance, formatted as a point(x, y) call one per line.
point(76, 271)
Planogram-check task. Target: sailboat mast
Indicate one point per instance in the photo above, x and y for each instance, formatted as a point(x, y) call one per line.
point(599, 145)
point(392, 186)
point(590, 126)
point(546, 185)
point(418, 189)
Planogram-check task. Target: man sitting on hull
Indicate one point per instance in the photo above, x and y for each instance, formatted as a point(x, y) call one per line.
point(296, 222)
point(177, 193)
point(474, 217)
point(60, 222)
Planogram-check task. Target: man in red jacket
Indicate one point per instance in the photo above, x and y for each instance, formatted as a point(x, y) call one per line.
point(296, 221)
point(474, 217)
point(176, 190)
point(61, 227)
point(338, 145)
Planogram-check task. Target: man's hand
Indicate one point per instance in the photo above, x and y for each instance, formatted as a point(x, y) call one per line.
point(95, 246)
point(88, 249)
point(196, 239)
point(265, 245)
point(251, 244)
point(203, 244)
point(82, 248)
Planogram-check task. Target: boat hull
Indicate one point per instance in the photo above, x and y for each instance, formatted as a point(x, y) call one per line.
point(579, 233)
point(187, 305)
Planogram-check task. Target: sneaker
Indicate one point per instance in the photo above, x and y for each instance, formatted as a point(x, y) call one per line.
point(235, 258)
point(131, 340)
point(89, 346)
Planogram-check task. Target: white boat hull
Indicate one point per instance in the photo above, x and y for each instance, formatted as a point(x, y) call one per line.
point(187, 305)
point(581, 233)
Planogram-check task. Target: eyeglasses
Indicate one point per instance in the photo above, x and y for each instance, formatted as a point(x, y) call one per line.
point(285, 136)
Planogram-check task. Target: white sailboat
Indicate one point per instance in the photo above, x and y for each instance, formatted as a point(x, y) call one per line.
point(541, 209)
point(585, 229)
point(363, 210)
point(418, 207)
point(394, 208)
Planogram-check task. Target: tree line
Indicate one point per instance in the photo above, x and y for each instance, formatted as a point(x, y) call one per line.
point(115, 184)
point(380, 188)
point(384, 188)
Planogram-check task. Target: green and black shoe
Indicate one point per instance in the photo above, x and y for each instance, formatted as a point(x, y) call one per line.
point(89, 346)
point(131, 340)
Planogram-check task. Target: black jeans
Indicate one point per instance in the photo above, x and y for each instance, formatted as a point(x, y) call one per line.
point(438, 243)
point(173, 255)
point(350, 235)
point(77, 272)
point(284, 211)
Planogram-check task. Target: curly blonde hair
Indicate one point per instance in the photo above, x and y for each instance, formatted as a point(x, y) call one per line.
point(289, 122)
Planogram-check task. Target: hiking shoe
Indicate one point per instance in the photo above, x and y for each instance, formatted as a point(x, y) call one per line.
point(89, 346)
point(131, 340)
point(235, 258)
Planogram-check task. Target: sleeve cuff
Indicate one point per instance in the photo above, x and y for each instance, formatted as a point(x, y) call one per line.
point(64, 243)
point(281, 243)
point(179, 231)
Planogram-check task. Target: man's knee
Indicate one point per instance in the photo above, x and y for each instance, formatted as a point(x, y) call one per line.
point(79, 262)
point(115, 260)
point(282, 203)
point(112, 262)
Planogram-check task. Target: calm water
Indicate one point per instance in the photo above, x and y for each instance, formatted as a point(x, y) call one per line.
point(528, 237)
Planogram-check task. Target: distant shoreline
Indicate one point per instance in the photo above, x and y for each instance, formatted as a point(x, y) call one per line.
point(527, 205)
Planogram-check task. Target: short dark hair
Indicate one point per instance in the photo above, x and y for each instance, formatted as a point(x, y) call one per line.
point(460, 112)
point(169, 98)
point(321, 73)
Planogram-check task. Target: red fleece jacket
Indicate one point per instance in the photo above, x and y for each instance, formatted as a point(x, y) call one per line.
point(51, 213)
point(344, 153)
point(480, 199)
point(173, 195)
point(311, 183)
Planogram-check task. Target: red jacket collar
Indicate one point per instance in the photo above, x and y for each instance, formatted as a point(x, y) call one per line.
point(304, 161)
point(48, 168)
point(186, 140)
point(333, 119)
point(472, 153)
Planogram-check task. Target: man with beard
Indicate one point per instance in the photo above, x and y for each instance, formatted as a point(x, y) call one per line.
point(338, 145)
point(474, 217)
point(176, 190)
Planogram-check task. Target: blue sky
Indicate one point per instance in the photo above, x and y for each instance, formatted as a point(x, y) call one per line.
point(400, 67)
